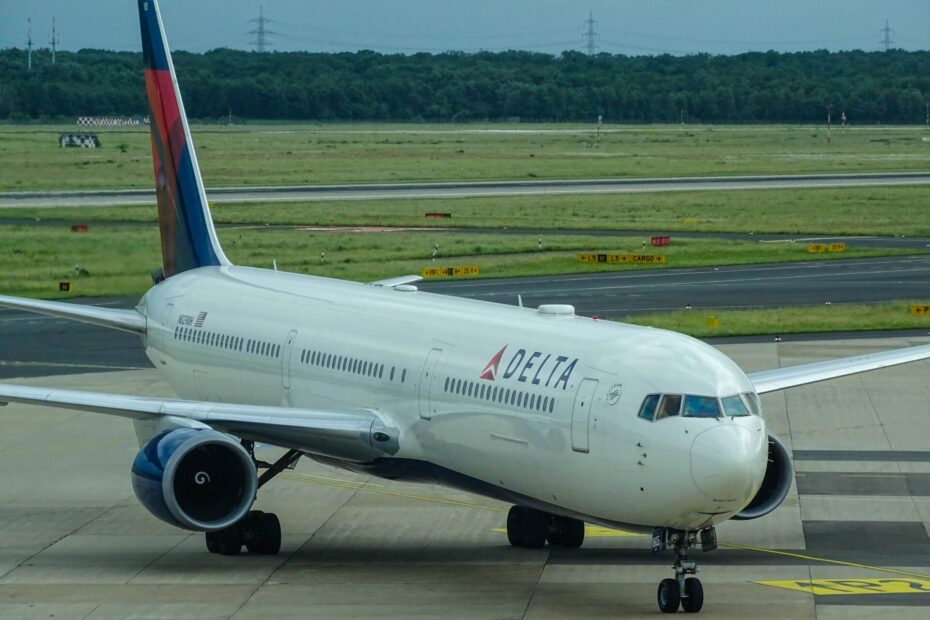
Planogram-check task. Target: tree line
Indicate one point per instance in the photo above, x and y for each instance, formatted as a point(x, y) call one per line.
point(759, 87)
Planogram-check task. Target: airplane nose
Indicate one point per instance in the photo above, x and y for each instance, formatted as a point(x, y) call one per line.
point(728, 462)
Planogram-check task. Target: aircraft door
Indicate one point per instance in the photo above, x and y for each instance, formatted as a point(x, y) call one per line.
point(427, 377)
point(286, 361)
point(581, 414)
point(165, 329)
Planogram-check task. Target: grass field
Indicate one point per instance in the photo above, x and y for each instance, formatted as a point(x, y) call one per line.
point(118, 259)
point(852, 211)
point(276, 154)
point(795, 319)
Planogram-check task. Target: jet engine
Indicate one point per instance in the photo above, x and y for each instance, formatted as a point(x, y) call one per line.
point(196, 479)
point(775, 484)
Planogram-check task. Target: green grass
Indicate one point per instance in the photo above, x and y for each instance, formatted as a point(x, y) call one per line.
point(275, 154)
point(852, 211)
point(119, 258)
point(786, 320)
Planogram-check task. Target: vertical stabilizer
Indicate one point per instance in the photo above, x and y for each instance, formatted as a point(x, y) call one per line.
point(188, 239)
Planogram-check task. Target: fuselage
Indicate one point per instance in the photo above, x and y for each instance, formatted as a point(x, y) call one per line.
point(534, 407)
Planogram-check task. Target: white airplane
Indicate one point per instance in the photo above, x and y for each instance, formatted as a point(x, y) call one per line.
point(570, 419)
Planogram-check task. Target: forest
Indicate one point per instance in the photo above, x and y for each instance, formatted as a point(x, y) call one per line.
point(763, 87)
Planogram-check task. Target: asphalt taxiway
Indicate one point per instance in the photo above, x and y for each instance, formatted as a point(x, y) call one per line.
point(303, 193)
point(851, 541)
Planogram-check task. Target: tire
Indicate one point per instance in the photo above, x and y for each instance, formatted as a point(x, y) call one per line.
point(269, 534)
point(213, 541)
point(526, 527)
point(693, 600)
point(230, 540)
point(668, 596)
point(572, 535)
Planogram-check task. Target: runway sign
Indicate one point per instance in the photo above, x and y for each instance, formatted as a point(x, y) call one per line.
point(920, 310)
point(817, 248)
point(826, 587)
point(636, 259)
point(449, 272)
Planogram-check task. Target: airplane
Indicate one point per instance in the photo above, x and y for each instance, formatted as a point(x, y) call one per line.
point(568, 418)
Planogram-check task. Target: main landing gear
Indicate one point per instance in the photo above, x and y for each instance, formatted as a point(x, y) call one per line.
point(530, 528)
point(259, 532)
point(686, 592)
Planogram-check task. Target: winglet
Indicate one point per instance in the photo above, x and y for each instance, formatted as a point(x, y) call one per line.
point(188, 239)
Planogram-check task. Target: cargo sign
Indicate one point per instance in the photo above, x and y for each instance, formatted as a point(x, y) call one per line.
point(817, 248)
point(449, 272)
point(825, 587)
point(635, 259)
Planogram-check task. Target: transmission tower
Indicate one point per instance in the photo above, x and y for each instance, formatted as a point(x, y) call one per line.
point(887, 43)
point(261, 32)
point(589, 36)
point(29, 45)
point(55, 41)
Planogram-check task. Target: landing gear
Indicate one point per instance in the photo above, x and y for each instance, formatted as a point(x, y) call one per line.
point(530, 528)
point(259, 532)
point(686, 592)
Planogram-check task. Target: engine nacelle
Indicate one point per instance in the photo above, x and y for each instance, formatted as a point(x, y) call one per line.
point(775, 484)
point(196, 479)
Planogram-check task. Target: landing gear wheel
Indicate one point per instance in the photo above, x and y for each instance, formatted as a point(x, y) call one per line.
point(693, 600)
point(668, 596)
point(526, 527)
point(228, 541)
point(266, 534)
point(565, 532)
point(213, 541)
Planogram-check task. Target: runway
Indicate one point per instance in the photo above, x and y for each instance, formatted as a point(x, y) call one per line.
point(306, 193)
point(35, 345)
point(620, 293)
point(74, 542)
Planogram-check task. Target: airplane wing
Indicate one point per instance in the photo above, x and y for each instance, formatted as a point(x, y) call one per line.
point(128, 320)
point(792, 376)
point(361, 435)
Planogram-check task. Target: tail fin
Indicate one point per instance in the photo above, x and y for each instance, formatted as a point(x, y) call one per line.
point(188, 239)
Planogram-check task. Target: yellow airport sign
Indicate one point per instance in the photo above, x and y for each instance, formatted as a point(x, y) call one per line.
point(634, 259)
point(449, 272)
point(712, 322)
point(830, 587)
point(818, 248)
point(920, 310)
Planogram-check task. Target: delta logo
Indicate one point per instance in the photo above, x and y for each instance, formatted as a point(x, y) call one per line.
point(536, 368)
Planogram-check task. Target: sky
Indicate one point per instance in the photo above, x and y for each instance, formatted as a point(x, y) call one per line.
point(632, 27)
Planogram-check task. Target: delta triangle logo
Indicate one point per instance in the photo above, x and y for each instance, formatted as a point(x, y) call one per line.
point(490, 371)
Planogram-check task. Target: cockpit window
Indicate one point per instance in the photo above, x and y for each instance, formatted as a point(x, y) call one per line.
point(648, 409)
point(701, 407)
point(671, 405)
point(755, 405)
point(734, 406)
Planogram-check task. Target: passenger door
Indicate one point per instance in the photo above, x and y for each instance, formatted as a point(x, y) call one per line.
point(286, 362)
point(428, 375)
point(581, 414)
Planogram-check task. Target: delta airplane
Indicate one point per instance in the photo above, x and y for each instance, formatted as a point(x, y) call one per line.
point(569, 419)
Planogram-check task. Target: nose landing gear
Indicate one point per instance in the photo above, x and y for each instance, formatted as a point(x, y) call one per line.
point(686, 592)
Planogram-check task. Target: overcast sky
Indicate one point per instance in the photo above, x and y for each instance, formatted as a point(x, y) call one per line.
point(406, 26)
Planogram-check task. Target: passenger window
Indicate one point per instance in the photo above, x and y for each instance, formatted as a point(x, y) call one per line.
point(647, 410)
point(734, 406)
point(701, 407)
point(403, 376)
point(671, 405)
point(392, 373)
point(551, 405)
